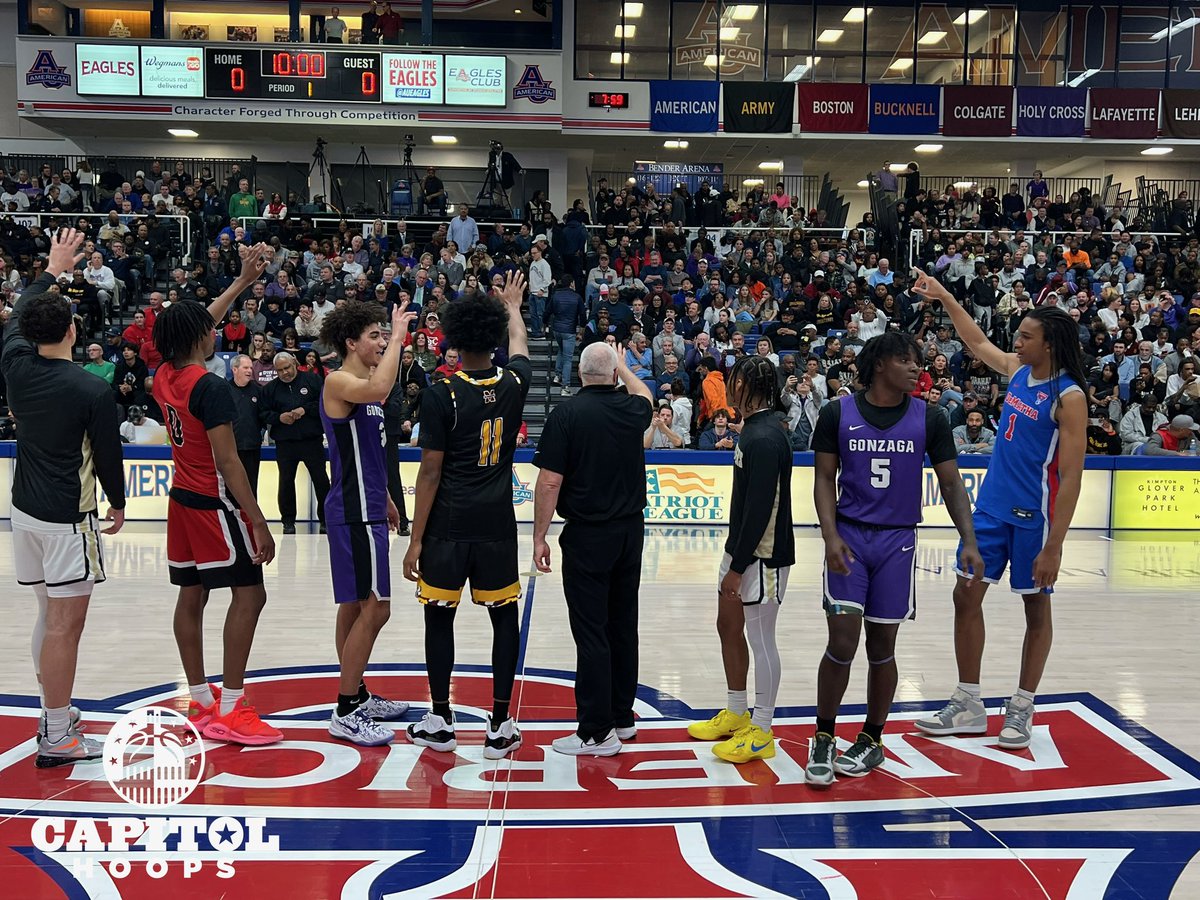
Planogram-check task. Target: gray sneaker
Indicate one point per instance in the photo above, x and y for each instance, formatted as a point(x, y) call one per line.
point(962, 715)
point(819, 770)
point(72, 747)
point(76, 718)
point(863, 756)
point(1018, 725)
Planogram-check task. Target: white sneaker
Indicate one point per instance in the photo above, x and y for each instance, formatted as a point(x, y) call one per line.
point(359, 728)
point(384, 710)
point(76, 720)
point(434, 732)
point(565, 392)
point(502, 741)
point(573, 745)
point(1017, 731)
point(627, 734)
point(964, 714)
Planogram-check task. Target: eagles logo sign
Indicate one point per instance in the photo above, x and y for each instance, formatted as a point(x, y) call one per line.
point(664, 817)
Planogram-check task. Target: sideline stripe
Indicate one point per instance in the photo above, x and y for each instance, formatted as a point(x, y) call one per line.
point(526, 618)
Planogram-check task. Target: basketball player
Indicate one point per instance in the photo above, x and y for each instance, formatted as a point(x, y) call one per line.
point(67, 440)
point(358, 510)
point(216, 534)
point(1024, 508)
point(759, 553)
point(870, 456)
point(464, 527)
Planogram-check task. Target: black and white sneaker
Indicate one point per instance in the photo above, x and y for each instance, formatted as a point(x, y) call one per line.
point(434, 732)
point(504, 740)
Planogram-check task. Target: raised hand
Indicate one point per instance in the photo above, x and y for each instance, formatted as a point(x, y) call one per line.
point(513, 291)
point(65, 254)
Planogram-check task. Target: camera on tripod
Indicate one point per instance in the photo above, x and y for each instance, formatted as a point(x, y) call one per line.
point(496, 146)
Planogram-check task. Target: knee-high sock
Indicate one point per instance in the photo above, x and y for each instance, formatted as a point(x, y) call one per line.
point(760, 634)
point(439, 650)
point(506, 647)
point(39, 631)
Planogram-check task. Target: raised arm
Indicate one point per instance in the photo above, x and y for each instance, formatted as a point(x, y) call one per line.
point(511, 295)
point(348, 388)
point(254, 263)
point(964, 323)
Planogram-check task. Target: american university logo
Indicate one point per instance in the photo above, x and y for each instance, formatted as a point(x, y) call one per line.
point(533, 87)
point(47, 72)
point(317, 818)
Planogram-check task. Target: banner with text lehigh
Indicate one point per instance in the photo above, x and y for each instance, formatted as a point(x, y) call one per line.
point(1130, 113)
point(1051, 111)
point(684, 106)
point(969, 111)
point(833, 108)
point(753, 107)
point(1181, 113)
point(905, 108)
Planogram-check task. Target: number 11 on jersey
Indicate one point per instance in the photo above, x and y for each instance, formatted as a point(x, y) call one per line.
point(491, 434)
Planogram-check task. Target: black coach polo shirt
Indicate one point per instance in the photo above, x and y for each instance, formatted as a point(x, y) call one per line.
point(595, 442)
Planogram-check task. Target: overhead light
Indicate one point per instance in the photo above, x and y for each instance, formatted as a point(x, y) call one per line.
point(643, 162)
point(802, 69)
point(626, 31)
point(711, 60)
point(973, 16)
point(830, 36)
point(929, 38)
point(898, 167)
point(1157, 151)
point(182, 132)
point(516, 12)
point(730, 33)
point(752, 182)
point(856, 15)
point(632, 10)
point(744, 12)
point(903, 64)
point(443, 139)
point(1081, 78)
point(618, 58)
point(864, 183)
point(928, 148)
point(675, 145)
point(1175, 29)
point(964, 184)
point(771, 166)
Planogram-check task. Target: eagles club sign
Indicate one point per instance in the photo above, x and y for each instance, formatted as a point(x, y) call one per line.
point(406, 821)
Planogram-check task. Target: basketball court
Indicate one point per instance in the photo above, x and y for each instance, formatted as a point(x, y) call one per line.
point(1103, 804)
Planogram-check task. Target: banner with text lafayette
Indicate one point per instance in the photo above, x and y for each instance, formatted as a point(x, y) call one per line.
point(905, 108)
point(1129, 113)
point(757, 107)
point(684, 106)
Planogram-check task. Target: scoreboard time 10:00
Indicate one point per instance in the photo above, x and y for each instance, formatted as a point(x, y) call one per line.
point(332, 75)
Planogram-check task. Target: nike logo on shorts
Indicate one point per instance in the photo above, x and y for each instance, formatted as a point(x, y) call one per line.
point(906, 549)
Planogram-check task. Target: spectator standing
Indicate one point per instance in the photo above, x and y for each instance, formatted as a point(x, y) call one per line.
point(370, 24)
point(243, 204)
point(335, 27)
point(568, 316)
point(247, 424)
point(462, 229)
point(390, 26)
point(888, 182)
point(540, 282)
point(290, 407)
point(593, 471)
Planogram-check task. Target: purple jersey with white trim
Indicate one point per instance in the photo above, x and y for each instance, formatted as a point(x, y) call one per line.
point(358, 474)
point(880, 481)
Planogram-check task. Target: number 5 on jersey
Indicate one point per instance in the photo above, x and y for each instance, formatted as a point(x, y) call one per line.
point(881, 472)
point(491, 434)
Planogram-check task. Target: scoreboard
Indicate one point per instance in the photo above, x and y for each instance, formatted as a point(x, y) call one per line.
point(291, 73)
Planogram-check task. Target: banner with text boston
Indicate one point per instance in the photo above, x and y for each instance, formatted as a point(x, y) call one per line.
point(757, 107)
point(970, 111)
point(1130, 113)
point(904, 108)
point(684, 106)
point(1181, 114)
point(1051, 112)
point(833, 108)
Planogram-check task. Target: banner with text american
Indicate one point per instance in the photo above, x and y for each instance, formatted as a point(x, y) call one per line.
point(905, 108)
point(684, 106)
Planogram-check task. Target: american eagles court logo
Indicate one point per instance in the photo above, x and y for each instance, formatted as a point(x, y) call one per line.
point(317, 818)
point(47, 72)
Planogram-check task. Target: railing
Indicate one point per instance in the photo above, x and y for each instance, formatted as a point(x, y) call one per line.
point(1065, 186)
point(183, 223)
point(805, 188)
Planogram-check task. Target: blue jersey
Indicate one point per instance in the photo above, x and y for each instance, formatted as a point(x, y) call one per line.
point(1022, 479)
point(358, 482)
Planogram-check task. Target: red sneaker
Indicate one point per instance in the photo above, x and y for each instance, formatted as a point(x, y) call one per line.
point(199, 715)
point(242, 726)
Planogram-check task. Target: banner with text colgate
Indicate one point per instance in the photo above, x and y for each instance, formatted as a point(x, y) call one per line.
point(1051, 112)
point(1130, 113)
point(969, 111)
point(837, 108)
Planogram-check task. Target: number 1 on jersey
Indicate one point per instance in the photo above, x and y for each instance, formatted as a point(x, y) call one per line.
point(1012, 424)
point(491, 434)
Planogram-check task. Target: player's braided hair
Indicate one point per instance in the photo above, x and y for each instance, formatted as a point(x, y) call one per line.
point(889, 345)
point(757, 376)
point(180, 327)
point(1062, 334)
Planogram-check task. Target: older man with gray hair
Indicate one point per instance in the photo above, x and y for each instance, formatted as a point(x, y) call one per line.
point(290, 407)
point(593, 470)
point(247, 425)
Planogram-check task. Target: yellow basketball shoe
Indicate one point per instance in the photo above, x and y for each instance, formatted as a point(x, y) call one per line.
point(724, 724)
point(751, 742)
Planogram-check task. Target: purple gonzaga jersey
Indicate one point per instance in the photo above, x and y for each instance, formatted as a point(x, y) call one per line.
point(358, 474)
point(880, 482)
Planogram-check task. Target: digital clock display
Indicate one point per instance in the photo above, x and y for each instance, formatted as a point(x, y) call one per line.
point(334, 76)
point(293, 64)
point(602, 99)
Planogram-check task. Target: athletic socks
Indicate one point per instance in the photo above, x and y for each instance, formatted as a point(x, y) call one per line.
point(202, 694)
point(762, 716)
point(736, 702)
point(442, 708)
point(231, 698)
point(58, 722)
point(760, 635)
point(826, 726)
point(363, 694)
point(499, 712)
point(971, 690)
point(1024, 695)
point(348, 703)
point(874, 732)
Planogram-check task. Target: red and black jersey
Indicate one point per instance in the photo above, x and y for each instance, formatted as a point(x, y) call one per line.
point(194, 400)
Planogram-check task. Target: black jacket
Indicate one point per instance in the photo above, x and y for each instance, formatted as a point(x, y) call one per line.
point(247, 427)
point(303, 391)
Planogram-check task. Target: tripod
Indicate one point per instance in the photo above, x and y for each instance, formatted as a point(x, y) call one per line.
point(492, 188)
point(362, 163)
point(321, 166)
point(415, 185)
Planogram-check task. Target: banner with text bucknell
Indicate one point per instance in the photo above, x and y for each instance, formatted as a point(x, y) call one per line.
point(833, 107)
point(1130, 113)
point(684, 106)
point(753, 106)
point(1181, 113)
point(969, 111)
point(904, 108)
point(1051, 111)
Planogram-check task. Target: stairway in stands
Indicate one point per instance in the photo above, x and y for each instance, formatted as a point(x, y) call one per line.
point(543, 395)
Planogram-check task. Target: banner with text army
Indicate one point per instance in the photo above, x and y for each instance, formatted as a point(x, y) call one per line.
point(757, 107)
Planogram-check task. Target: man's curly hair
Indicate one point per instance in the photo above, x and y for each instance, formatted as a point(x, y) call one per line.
point(45, 318)
point(475, 324)
point(348, 322)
